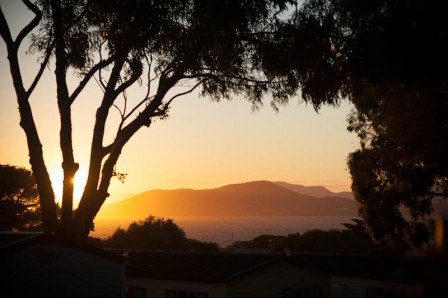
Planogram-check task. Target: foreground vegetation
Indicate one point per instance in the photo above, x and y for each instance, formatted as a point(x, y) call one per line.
point(354, 239)
point(153, 233)
point(19, 199)
point(157, 233)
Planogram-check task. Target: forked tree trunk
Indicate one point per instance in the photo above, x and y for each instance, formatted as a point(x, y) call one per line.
point(46, 194)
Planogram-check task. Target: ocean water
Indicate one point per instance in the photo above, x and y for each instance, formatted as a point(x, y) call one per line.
point(226, 230)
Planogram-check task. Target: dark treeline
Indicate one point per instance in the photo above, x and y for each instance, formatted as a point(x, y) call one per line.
point(154, 233)
point(19, 199)
point(157, 233)
point(352, 240)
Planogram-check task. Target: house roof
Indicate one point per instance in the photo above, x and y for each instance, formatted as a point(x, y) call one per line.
point(8, 238)
point(226, 266)
point(348, 265)
point(11, 242)
point(194, 266)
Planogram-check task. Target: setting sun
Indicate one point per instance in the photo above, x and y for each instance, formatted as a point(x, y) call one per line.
point(79, 182)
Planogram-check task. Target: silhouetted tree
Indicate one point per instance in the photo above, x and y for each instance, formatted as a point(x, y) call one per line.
point(366, 244)
point(401, 118)
point(401, 171)
point(391, 61)
point(250, 48)
point(155, 233)
point(324, 241)
point(353, 240)
point(19, 199)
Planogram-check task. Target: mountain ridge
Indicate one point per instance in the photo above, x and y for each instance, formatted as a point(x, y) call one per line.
point(255, 198)
point(315, 191)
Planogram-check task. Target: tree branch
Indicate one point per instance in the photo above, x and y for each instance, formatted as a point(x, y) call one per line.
point(125, 85)
point(222, 78)
point(31, 25)
point(100, 78)
point(97, 151)
point(136, 107)
point(100, 65)
point(184, 93)
point(43, 65)
point(148, 90)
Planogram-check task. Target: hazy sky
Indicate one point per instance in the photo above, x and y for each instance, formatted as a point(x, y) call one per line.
point(202, 145)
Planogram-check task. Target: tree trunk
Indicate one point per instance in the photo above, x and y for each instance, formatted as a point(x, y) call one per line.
point(68, 164)
point(46, 194)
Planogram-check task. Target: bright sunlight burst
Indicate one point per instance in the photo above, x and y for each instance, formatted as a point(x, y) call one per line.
point(79, 181)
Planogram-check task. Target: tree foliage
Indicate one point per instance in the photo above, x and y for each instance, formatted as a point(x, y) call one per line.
point(353, 239)
point(252, 49)
point(155, 233)
point(392, 64)
point(19, 199)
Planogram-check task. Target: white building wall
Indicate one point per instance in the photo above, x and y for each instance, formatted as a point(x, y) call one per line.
point(270, 281)
point(359, 286)
point(265, 282)
point(156, 288)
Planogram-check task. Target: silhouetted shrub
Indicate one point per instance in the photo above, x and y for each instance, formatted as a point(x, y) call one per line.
point(155, 233)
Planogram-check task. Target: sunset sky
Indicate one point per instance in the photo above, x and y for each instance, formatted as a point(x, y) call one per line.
point(202, 145)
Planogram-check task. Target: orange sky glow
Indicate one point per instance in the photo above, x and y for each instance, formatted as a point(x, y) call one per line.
point(202, 144)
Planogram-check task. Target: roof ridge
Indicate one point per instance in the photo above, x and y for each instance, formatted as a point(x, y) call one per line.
point(253, 267)
point(31, 235)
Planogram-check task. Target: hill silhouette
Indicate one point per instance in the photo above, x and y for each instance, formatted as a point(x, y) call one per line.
point(258, 198)
point(315, 191)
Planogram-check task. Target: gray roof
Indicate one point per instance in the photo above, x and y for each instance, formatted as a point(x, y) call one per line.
point(7, 238)
point(45, 265)
point(194, 266)
point(225, 266)
point(11, 242)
